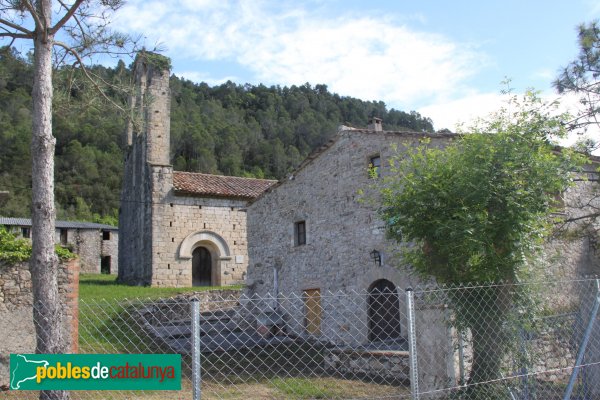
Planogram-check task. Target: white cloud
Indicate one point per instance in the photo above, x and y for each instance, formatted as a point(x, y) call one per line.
point(367, 57)
point(464, 110)
point(196, 76)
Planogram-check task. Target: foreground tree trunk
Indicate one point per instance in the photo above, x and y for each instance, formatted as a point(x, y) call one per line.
point(485, 311)
point(47, 313)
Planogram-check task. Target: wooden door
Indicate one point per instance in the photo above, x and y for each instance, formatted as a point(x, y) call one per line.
point(384, 311)
point(312, 311)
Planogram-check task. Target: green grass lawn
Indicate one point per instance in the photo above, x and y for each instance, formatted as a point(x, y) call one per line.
point(93, 287)
point(108, 320)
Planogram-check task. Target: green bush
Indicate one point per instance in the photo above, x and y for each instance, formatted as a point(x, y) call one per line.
point(13, 249)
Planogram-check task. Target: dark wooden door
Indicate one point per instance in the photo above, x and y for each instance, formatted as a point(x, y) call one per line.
point(201, 267)
point(384, 311)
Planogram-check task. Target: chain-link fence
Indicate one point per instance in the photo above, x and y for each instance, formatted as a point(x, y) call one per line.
point(509, 341)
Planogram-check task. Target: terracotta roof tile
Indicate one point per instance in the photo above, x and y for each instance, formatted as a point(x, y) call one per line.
point(218, 185)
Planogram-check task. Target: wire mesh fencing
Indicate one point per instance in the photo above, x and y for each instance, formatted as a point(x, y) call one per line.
point(509, 341)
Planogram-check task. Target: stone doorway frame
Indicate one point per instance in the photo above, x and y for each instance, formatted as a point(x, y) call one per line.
point(214, 243)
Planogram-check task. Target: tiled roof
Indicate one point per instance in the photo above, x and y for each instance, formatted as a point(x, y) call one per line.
point(58, 224)
point(218, 185)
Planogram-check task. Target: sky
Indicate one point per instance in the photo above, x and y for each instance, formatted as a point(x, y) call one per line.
point(444, 59)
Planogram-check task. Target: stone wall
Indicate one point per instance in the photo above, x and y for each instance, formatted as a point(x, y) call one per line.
point(177, 217)
point(390, 367)
point(90, 246)
point(341, 229)
point(135, 216)
point(110, 248)
point(16, 317)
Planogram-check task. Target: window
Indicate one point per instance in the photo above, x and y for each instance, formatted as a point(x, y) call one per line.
point(300, 233)
point(105, 235)
point(26, 232)
point(375, 165)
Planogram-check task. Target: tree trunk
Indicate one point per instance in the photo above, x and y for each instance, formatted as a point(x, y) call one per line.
point(488, 311)
point(47, 313)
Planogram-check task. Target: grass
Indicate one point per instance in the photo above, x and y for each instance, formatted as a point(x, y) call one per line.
point(107, 321)
point(93, 287)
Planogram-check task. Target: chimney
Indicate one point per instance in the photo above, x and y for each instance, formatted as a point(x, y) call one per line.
point(375, 124)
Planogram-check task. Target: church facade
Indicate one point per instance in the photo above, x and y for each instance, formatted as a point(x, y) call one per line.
point(177, 229)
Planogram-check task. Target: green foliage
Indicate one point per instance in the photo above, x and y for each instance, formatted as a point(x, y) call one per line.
point(246, 130)
point(581, 75)
point(13, 249)
point(157, 60)
point(478, 207)
point(476, 211)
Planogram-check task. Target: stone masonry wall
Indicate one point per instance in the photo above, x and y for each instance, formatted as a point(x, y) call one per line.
point(16, 317)
point(110, 248)
point(148, 142)
point(176, 217)
point(341, 229)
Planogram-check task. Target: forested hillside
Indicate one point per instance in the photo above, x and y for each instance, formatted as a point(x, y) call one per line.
point(230, 129)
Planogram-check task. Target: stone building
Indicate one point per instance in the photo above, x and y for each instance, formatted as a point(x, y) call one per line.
point(95, 244)
point(177, 228)
point(311, 236)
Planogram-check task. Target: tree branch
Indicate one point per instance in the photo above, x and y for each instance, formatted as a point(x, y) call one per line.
point(38, 22)
point(16, 27)
point(16, 35)
point(66, 17)
point(87, 75)
point(574, 219)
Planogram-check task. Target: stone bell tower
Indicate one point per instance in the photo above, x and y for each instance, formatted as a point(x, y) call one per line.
point(148, 175)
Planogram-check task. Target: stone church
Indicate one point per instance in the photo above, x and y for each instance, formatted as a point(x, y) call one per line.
point(176, 229)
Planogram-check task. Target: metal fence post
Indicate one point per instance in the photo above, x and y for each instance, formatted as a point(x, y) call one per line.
point(584, 343)
point(196, 374)
point(412, 344)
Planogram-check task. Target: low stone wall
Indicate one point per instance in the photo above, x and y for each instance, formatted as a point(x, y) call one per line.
point(16, 313)
point(177, 308)
point(391, 367)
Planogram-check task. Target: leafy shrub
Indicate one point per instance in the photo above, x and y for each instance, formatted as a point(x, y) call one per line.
point(13, 249)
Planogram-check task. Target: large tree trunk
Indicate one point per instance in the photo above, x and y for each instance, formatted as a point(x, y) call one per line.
point(47, 313)
point(486, 311)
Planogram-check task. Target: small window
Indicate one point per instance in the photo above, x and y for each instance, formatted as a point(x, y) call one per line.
point(105, 235)
point(375, 166)
point(63, 236)
point(300, 233)
point(26, 232)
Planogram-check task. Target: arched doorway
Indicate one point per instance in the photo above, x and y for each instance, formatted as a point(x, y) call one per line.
point(201, 267)
point(384, 311)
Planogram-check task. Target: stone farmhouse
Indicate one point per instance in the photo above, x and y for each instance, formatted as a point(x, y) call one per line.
point(96, 244)
point(177, 228)
point(310, 235)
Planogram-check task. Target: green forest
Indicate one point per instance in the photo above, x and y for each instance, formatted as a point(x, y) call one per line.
point(231, 129)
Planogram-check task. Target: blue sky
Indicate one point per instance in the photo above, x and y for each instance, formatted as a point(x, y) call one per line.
point(445, 59)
